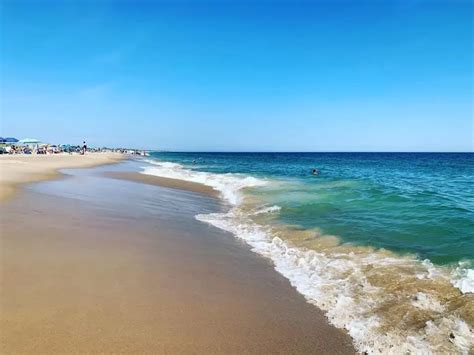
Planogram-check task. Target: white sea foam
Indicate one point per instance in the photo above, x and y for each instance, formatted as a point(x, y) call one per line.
point(265, 210)
point(338, 283)
point(463, 278)
point(427, 302)
point(228, 185)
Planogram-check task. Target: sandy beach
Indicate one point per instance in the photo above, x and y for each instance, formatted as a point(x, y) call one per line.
point(20, 169)
point(111, 264)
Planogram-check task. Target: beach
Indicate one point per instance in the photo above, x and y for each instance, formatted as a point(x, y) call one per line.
point(20, 169)
point(111, 261)
point(234, 177)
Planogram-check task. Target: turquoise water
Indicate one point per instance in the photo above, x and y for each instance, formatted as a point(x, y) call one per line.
point(418, 203)
point(382, 243)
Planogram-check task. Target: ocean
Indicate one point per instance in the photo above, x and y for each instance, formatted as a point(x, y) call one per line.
point(382, 242)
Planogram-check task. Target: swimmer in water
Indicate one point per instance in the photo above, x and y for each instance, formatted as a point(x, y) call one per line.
point(315, 172)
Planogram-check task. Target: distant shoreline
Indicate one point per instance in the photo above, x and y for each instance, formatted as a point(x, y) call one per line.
point(298, 152)
point(21, 168)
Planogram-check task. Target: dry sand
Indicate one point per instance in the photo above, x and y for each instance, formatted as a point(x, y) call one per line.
point(20, 169)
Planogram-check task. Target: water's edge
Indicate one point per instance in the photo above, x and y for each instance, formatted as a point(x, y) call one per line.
point(388, 303)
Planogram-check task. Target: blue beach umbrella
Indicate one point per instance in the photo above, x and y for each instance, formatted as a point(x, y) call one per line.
point(11, 140)
point(2, 140)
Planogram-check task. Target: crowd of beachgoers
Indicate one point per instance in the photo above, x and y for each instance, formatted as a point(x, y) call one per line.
point(12, 145)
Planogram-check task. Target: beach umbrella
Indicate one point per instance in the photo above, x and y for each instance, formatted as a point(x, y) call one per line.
point(29, 141)
point(11, 140)
point(2, 140)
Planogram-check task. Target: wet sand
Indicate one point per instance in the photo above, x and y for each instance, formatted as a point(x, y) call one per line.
point(165, 182)
point(92, 264)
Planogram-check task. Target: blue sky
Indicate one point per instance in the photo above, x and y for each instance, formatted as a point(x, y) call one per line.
point(240, 75)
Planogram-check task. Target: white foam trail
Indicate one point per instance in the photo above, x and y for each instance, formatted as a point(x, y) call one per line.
point(427, 302)
point(463, 278)
point(228, 185)
point(335, 283)
point(265, 210)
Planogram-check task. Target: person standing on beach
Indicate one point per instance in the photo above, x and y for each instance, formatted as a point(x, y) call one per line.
point(84, 148)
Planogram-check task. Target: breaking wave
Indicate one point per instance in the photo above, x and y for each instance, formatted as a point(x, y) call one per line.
point(388, 303)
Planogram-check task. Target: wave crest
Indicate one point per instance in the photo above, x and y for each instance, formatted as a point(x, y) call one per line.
point(228, 185)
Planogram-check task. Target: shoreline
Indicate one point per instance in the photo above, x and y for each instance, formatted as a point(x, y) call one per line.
point(429, 307)
point(87, 273)
point(165, 182)
point(16, 170)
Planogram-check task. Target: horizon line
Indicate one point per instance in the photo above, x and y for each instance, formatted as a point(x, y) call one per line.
point(308, 152)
